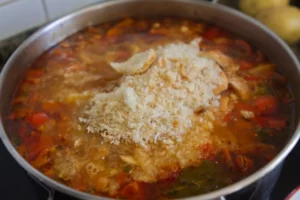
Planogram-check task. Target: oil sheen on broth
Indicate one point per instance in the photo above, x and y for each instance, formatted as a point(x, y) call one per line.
point(150, 109)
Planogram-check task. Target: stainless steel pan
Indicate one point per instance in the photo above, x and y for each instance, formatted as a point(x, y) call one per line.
point(230, 19)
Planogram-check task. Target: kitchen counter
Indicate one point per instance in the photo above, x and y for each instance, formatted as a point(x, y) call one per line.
point(9, 45)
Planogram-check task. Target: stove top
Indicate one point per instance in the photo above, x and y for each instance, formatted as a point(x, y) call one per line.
point(16, 184)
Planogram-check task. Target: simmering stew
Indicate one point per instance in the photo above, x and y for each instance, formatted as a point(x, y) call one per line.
point(151, 109)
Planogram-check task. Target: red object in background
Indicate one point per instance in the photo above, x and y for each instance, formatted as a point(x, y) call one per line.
point(294, 195)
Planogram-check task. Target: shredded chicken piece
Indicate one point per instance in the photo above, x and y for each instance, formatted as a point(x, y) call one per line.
point(224, 61)
point(137, 64)
point(224, 84)
point(128, 159)
point(240, 86)
point(230, 68)
point(224, 103)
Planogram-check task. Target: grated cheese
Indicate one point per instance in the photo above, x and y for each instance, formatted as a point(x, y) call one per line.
point(138, 63)
point(158, 105)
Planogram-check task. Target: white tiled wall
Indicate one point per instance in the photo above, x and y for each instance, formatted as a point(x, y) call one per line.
point(2, 2)
point(56, 8)
point(19, 15)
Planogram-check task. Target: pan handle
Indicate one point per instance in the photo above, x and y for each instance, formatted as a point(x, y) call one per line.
point(50, 191)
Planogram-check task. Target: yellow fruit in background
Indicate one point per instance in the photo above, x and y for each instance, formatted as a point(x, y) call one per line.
point(283, 20)
point(251, 7)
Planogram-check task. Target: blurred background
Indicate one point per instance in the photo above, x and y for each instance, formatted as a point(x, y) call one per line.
point(17, 16)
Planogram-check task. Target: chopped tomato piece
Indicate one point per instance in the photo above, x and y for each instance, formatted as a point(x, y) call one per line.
point(244, 65)
point(39, 119)
point(211, 33)
point(34, 73)
point(133, 190)
point(123, 179)
point(251, 78)
point(266, 104)
point(37, 145)
point(229, 117)
point(268, 122)
point(207, 151)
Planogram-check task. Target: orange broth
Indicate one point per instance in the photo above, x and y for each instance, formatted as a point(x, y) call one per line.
point(43, 122)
